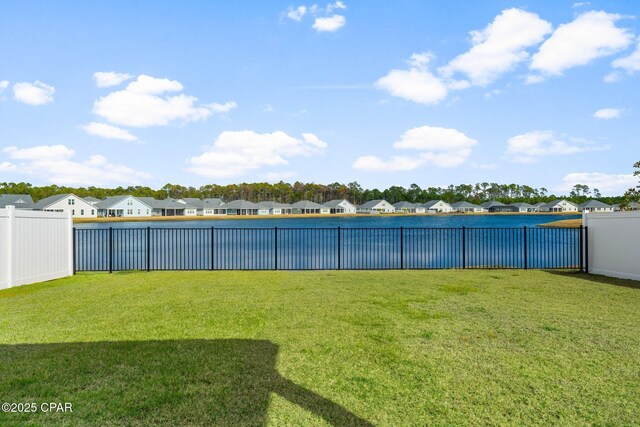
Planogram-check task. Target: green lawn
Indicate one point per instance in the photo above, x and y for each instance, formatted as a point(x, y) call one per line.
point(324, 348)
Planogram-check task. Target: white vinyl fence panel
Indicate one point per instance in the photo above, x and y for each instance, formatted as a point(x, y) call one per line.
point(34, 246)
point(614, 244)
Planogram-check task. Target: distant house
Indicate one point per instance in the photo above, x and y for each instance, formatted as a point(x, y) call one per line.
point(523, 207)
point(206, 207)
point(67, 202)
point(538, 206)
point(594, 206)
point(559, 205)
point(408, 207)
point(308, 207)
point(437, 206)
point(169, 207)
point(340, 206)
point(496, 206)
point(466, 207)
point(241, 207)
point(275, 208)
point(376, 206)
point(20, 201)
point(633, 206)
point(122, 206)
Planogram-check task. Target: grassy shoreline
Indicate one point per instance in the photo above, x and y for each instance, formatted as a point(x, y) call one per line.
point(563, 223)
point(315, 216)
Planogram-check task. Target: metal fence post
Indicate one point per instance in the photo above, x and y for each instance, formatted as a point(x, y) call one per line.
point(581, 248)
point(464, 248)
point(339, 248)
point(275, 249)
point(586, 250)
point(148, 249)
point(401, 249)
point(525, 247)
point(212, 244)
point(110, 249)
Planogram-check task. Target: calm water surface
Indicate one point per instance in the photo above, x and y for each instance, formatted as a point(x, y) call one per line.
point(428, 221)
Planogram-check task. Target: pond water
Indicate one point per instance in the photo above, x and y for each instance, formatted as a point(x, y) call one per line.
point(333, 221)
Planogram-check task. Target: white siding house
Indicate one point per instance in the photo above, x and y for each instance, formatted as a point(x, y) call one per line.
point(467, 207)
point(340, 207)
point(439, 206)
point(408, 207)
point(376, 206)
point(594, 206)
point(122, 206)
point(67, 202)
point(559, 206)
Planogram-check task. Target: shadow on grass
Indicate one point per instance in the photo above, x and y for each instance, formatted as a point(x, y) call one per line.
point(181, 382)
point(596, 278)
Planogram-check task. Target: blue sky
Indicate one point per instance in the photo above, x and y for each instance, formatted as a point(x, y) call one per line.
point(386, 93)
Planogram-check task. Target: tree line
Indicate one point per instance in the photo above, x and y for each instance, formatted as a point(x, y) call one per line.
point(320, 193)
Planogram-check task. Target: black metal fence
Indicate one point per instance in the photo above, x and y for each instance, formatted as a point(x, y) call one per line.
point(115, 249)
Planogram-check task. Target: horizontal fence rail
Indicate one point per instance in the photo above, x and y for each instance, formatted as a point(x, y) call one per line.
point(116, 249)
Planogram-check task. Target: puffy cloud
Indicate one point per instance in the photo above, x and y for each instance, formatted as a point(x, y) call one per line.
point(608, 184)
point(223, 108)
point(108, 131)
point(417, 84)
point(55, 163)
point(590, 36)
point(500, 46)
point(110, 78)
point(235, 153)
point(329, 24)
point(443, 147)
point(629, 63)
point(3, 85)
point(36, 93)
point(7, 167)
point(608, 113)
point(145, 102)
point(528, 147)
point(337, 5)
point(296, 13)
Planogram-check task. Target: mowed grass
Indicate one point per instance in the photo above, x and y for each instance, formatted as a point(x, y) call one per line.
point(324, 348)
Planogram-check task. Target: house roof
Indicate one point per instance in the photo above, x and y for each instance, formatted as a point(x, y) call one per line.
point(405, 204)
point(631, 205)
point(113, 200)
point(558, 201)
point(431, 203)
point(91, 199)
point(165, 203)
point(204, 203)
point(273, 205)
point(537, 205)
point(20, 201)
point(491, 204)
point(520, 205)
point(48, 201)
point(371, 204)
point(593, 204)
point(241, 204)
point(335, 203)
point(464, 204)
point(306, 204)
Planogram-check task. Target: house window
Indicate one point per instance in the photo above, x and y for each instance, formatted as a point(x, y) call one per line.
point(73, 211)
point(147, 211)
point(71, 202)
point(91, 211)
point(82, 212)
point(138, 211)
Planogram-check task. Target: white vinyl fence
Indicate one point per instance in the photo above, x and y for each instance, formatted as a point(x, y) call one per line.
point(614, 243)
point(34, 246)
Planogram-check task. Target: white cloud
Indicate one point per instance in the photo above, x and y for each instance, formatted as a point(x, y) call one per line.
point(223, 108)
point(36, 93)
point(629, 63)
point(612, 77)
point(110, 78)
point(437, 146)
point(55, 163)
point(329, 24)
point(533, 79)
point(607, 184)
point(417, 84)
point(581, 4)
point(235, 153)
point(296, 13)
point(608, 113)
point(145, 102)
point(499, 47)
point(108, 131)
point(590, 36)
point(3, 85)
point(336, 5)
point(528, 147)
point(7, 167)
